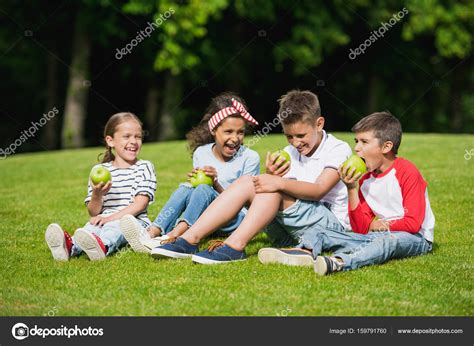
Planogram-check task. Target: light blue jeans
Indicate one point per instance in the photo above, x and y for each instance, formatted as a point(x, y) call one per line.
point(294, 225)
point(358, 250)
point(110, 234)
point(187, 204)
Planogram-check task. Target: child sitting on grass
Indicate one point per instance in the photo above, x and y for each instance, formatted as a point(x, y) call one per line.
point(218, 150)
point(314, 198)
point(132, 188)
point(389, 209)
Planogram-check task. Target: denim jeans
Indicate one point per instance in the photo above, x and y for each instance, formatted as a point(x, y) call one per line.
point(358, 250)
point(110, 234)
point(187, 204)
point(295, 225)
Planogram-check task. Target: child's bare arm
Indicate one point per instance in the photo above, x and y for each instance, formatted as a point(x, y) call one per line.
point(311, 191)
point(298, 189)
point(94, 206)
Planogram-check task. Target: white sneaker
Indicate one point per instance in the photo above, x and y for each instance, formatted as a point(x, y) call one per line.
point(134, 233)
point(59, 242)
point(150, 244)
point(91, 244)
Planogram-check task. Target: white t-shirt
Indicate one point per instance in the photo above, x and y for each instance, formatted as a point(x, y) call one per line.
point(331, 153)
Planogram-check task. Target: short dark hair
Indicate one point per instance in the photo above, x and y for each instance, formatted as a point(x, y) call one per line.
point(385, 126)
point(297, 106)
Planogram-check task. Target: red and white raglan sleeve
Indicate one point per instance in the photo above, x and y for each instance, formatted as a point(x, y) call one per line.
point(413, 188)
point(362, 216)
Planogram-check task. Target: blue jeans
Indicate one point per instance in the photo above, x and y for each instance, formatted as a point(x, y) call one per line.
point(358, 250)
point(295, 225)
point(110, 234)
point(187, 204)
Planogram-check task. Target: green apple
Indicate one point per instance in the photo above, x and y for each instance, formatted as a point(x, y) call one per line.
point(356, 162)
point(100, 174)
point(282, 153)
point(200, 178)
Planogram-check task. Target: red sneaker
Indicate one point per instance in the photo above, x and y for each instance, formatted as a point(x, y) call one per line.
point(91, 244)
point(59, 242)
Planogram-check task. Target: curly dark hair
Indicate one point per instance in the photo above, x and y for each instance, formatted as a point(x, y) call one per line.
point(200, 134)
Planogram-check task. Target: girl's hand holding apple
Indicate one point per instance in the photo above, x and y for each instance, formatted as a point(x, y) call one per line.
point(101, 189)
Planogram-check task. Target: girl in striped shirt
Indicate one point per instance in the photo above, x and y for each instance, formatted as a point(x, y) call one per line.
point(129, 192)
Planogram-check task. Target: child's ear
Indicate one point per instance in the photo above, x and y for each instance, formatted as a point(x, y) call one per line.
point(387, 147)
point(110, 141)
point(319, 123)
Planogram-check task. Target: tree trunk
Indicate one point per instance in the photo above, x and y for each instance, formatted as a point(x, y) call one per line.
point(455, 107)
point(171, 104)
point(77, 91)
point(50, 135)
point(372, 93)
point(151, 111)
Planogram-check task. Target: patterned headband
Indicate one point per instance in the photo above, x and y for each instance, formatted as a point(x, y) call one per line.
point(236, 107)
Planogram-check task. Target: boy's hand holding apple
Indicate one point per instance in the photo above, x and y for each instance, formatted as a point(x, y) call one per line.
point(351, 171)
point(349, 176)
point(277, 163)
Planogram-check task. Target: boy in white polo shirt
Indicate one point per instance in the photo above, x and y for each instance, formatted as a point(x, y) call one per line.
point(389, 208)
point(289, 199)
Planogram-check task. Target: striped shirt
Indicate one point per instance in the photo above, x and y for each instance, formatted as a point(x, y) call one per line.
point(138, 179)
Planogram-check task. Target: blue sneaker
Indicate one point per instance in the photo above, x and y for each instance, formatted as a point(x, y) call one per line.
point(218, 253)
point(174, 248)
point(291, 257)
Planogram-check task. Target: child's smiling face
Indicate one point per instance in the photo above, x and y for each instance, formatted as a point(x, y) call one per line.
point(228, 136)
point(127, 141)
point(304, 136)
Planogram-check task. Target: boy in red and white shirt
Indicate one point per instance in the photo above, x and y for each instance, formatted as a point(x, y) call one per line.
point(389, 209)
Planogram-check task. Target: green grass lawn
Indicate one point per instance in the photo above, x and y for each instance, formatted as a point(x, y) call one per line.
point(37, 189)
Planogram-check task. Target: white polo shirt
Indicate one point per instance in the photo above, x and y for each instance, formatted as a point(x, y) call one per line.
point(331, 153)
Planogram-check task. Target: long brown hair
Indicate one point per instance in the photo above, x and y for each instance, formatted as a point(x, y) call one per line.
point(109, 130)
point(200, 134)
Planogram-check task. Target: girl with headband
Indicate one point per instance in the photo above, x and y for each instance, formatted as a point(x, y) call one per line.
point(218, 150)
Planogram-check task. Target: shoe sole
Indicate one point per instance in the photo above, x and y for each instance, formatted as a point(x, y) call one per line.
point(272, 255)
point(162, 253)
point(154, 242)
point(131, 231)
point(54, 237)
point(88, 243)
point(320, 266)
point(202, 260)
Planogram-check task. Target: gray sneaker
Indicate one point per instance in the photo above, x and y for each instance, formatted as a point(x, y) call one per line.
point(325, 265)
point(291, 257)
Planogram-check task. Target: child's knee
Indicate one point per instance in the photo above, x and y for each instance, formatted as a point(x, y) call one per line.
point(204, 189)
